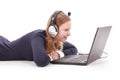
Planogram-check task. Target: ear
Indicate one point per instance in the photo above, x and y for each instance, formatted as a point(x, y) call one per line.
point(52, 31)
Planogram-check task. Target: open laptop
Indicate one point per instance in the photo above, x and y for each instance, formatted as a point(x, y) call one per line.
point(95, 53)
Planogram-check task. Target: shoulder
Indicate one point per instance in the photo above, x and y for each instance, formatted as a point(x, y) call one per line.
point(38, 31)
point(38, 35)
point(35, 34)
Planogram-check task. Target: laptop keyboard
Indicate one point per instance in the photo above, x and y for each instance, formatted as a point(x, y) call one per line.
point(74, 58)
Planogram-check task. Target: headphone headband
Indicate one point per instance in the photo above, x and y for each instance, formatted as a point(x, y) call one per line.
point(54, 16)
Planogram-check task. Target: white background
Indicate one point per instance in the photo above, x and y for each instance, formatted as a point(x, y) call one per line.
point(18, 17)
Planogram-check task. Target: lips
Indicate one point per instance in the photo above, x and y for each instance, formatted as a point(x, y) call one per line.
point(65, 37)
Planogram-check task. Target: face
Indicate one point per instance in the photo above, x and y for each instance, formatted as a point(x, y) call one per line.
point(64, 32)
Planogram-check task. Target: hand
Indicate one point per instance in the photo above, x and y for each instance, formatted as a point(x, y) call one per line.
point(54, 55)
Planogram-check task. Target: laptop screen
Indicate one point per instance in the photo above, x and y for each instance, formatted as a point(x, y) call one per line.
point(98, 44)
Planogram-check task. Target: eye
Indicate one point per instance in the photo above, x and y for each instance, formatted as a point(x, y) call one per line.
point(66, 29)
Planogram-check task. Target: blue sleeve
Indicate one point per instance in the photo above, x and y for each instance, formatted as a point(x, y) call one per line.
point(40, 56)
point(69, 49)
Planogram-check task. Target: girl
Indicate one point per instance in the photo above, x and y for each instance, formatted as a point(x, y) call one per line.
point(41, 46)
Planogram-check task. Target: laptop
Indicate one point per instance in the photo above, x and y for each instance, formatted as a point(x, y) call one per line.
point(95, 53)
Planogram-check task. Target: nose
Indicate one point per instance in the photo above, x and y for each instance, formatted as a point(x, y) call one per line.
point(68, 33)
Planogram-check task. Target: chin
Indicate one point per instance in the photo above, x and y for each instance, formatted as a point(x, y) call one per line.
point(64, 40)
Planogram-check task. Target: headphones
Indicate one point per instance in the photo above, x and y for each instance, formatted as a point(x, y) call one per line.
point(53, 28)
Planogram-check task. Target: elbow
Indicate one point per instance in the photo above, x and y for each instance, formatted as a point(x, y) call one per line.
point(42, 62)
point(74, 51)
point(41, 65)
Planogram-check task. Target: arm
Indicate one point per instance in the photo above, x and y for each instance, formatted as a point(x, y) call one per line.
point(40, 56)
point(69, 49)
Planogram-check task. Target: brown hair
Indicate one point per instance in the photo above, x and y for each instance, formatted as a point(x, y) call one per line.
point(61, 18)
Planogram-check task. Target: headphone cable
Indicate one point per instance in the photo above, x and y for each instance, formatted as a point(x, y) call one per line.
point(106, 55)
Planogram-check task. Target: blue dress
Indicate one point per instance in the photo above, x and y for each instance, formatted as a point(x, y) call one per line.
point(30, 47)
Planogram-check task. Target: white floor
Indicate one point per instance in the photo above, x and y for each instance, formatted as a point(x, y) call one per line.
point(103, 69)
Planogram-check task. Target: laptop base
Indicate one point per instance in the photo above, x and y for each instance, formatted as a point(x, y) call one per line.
point(80, 59)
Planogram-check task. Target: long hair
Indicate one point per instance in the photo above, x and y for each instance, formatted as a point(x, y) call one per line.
point(61, 18)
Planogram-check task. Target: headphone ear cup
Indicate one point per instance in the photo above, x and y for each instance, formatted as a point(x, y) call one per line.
point(52, 31)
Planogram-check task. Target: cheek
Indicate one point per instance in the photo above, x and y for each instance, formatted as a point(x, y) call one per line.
point(61, 36)
point(61, 33)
